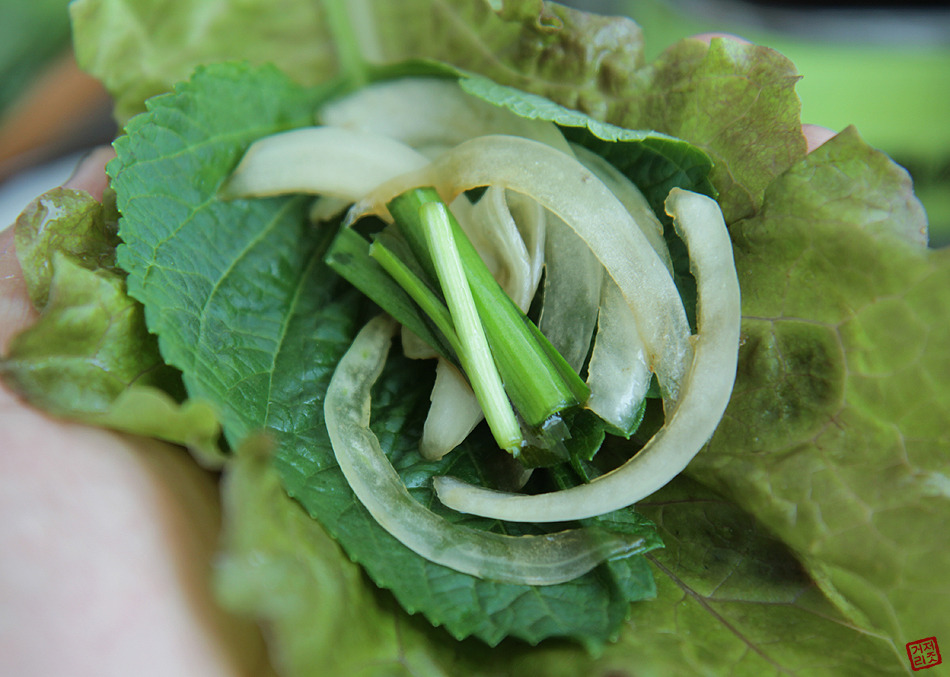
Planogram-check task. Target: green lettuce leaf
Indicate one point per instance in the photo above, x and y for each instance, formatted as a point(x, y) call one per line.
point(730, 600)
point(243, 303)
point(734, 101)
point(836, 436)
point(68, 223)
point(738, 603)
point(89, 356)
point(655, 162)
point(140, 49)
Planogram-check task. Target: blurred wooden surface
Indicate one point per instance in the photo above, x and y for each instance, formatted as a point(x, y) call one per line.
point(65, 110)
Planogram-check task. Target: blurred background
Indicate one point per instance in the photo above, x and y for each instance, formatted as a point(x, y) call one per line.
point(881, 66)
point(50, 112)
point(884, 67)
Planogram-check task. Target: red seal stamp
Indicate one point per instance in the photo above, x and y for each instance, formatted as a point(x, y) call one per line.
point(924, 653)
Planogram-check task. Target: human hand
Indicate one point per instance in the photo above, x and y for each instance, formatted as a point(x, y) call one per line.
point(107, 539)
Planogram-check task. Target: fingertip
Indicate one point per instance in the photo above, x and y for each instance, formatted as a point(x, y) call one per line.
point(815, 135)
point(90, 173)
point(16, 310)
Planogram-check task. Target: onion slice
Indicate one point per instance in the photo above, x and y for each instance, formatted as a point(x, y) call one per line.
point(495, 236)
point(631, 198)
point(618, 374)
point(568, 189)
point(546, 559)
point(691, 423)
point(329, 161)
point(453, 414)
point(531, 219)
point(572, 287)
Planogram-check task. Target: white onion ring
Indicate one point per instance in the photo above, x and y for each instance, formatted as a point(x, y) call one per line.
point(546, 559)
point(691, 423)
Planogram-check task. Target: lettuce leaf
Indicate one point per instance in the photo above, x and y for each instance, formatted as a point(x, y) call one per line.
point(140, 49)
point(730, 600)
point(836, 434)
point(836, 438)
point(68, 223)
point(89, 356)
point(734, 101)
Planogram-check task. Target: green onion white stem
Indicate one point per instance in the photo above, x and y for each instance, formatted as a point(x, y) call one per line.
point(454, 410)
point(475, 355)
point(537, 380)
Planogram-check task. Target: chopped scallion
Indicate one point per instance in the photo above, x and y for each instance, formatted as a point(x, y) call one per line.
point(539, 384)
point(474, 353)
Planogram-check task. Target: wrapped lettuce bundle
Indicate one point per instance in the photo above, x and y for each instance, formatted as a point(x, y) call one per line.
point(346, 233)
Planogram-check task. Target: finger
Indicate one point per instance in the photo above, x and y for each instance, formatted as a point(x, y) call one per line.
point(108, 544)
point(16, 310)
point(90, 173)
point(815, 135)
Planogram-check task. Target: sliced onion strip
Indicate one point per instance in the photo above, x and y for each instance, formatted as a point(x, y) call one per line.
point(691, 423)
point(525, 560)
point(531, 219)
point(495, 236)
point(453, 414)
point(572, 286)
point(619, 373)
point(631, 198)
point(321, 160)
point(414, 347)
